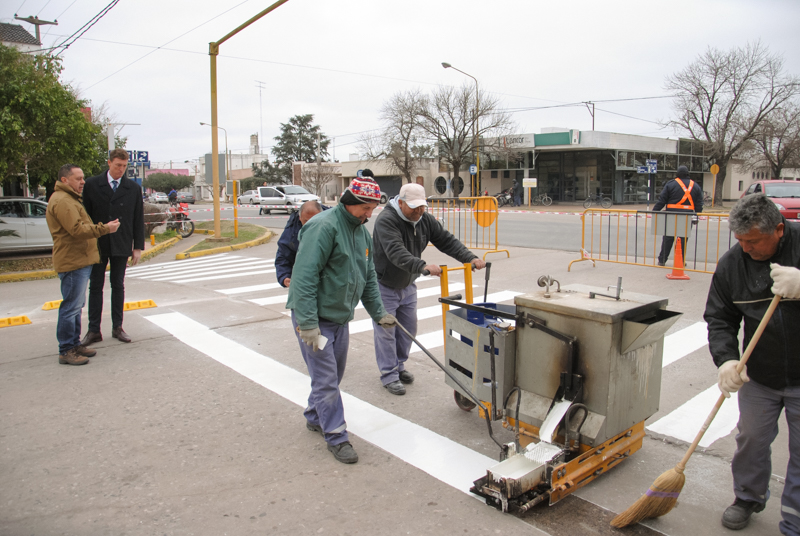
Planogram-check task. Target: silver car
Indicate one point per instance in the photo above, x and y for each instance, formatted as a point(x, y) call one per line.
point(286, 197)
point(23, 224)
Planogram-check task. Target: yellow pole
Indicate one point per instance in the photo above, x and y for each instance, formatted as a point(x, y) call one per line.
point(445, 285)
point(468, 282)
point(235, 211)
point(714, 191)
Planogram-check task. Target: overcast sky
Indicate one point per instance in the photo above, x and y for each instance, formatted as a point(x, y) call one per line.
point(341, 59)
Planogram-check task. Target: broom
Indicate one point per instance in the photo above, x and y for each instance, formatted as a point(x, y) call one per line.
point(663, 494)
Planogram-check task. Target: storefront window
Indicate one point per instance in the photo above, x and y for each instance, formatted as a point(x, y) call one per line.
point(670, 162)
point(685, 147)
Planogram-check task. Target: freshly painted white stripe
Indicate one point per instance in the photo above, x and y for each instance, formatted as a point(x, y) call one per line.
point(360, 326)
point(272, 300)
point(685, 422)
point(431, 340)
point(428, 292)
point(224, 270)
point(198, 266)
point(225, 276)
point(217, 269)
point(182, 263)
point(252, 288)
point(440, 457)
point(684, 342)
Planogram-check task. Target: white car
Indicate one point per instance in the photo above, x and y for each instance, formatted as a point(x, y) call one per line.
point(286, 197)
point(23, 224)
point(250, 197)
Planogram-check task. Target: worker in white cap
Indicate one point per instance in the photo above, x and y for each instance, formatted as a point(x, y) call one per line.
point(402, 232)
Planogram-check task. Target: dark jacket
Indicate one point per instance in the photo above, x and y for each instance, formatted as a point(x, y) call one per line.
point(672, 193)
point(104, 205)
point(740, 289)
point(287, 248)
point(517, 189)
point(398, 245)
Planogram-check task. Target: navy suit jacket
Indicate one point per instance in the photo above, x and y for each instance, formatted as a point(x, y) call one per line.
point(104, 205)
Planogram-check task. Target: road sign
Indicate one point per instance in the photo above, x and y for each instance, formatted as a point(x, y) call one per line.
point(642, 169)
point(652, 166)
point(138, 156)
point(714, 169)
point(473, 169)
point(358, 173)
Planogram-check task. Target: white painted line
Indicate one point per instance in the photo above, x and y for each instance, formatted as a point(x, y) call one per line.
point(428, 292)
point(226, 276)
point(252, 288)
point(198, 266)
point(686, 421)
point(135, 269)
point(359, 326)
point(684, 342)
point(179, 277)
point(272, 300)
point(216, 269)
point(440, 457)
point(435, 339)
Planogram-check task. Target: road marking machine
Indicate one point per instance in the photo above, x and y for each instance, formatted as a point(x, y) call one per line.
point(573, 371)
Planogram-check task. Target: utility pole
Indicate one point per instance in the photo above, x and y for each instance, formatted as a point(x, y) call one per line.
point(36, 21)
point(260, 86)
point(591, 111)
point(111, 132)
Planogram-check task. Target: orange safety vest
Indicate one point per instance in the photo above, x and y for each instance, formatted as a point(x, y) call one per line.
point(687, 196)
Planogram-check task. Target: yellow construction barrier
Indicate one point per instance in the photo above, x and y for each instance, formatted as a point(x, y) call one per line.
point(634, 237)
point(14, 321)
point(473, 220)
point(49, 306)
point(141, 304)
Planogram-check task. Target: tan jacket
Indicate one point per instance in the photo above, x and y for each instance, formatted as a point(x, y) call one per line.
point(74, 234)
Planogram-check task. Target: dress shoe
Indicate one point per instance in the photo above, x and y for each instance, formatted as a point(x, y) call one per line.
point(72, 358)
point(119, 333)
point(91, 338)
point(85, 351)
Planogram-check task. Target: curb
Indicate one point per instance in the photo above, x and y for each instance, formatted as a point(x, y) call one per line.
point(155, 250)
point(225, 249)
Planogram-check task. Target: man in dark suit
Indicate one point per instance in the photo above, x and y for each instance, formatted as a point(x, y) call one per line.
point(109, 196)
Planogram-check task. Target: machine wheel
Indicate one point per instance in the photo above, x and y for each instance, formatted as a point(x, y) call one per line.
point(463, 402)
point(185, 228)
point(606, 202)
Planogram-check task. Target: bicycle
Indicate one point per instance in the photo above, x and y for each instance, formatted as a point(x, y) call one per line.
point(543, 199)
point(604, 202)
point(707, 200)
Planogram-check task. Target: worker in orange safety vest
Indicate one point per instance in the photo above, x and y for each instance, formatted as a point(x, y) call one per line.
point(679, 195)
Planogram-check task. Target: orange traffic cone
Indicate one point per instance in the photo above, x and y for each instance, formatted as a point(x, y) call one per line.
point(677, 270)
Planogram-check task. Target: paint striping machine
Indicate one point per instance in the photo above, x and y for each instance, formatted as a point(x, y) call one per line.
point(574, 372)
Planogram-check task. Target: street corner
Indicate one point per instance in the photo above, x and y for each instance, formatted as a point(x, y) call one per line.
point(189, 254)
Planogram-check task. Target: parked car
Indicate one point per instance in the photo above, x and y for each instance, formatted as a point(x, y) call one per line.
point(785, 194)
point(185, 197)
point(286, 197)
point(250, 197)
point(159, 197)
point(23, 224)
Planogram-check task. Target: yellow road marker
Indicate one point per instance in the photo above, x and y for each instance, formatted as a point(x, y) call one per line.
point(49, 306)
point(143, 304)
point(14, 321)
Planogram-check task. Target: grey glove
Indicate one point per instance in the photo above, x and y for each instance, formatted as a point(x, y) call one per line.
point(387, 321)
point(310, 337)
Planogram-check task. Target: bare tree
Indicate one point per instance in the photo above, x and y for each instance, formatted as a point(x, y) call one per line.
point(315, 177)
point(776, 143)
point(723, 98)
point(449, 116)
point(399, 140)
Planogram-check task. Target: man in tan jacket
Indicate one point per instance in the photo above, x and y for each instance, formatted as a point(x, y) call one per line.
point(74, 253)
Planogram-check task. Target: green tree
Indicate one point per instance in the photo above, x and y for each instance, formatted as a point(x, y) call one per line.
point(267, 172)
point(164, 182)
point(298, 142)
point(42, 123)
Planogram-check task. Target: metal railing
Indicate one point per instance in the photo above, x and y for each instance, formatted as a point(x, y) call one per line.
point(634, 237)
point(473, 220)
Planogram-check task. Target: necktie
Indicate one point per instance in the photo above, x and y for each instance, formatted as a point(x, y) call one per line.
point(114, 185)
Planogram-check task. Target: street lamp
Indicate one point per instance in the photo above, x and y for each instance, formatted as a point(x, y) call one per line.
point(227, 178)
point(475, 128)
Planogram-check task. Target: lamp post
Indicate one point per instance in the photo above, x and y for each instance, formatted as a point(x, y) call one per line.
point(475, 129)
point(213, 52)
point(216, 186)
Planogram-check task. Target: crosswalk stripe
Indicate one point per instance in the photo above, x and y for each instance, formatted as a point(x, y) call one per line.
point(684, 342)
point(184, 268)
point(272, 300)
point(217, 269)
point(251, 288)
point(225, 270)
point(428, 292)
point(225, 276)
point(135, 269)
point(684, 422)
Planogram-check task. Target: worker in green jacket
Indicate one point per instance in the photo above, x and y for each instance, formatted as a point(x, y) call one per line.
point(333, 270)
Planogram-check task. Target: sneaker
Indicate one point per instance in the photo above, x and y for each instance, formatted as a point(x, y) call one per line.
point(737, 515)
point(406, 376)
point(314, 427)
point(396, 388)
point(85, 351)
point(72, 358)
point(344, 452)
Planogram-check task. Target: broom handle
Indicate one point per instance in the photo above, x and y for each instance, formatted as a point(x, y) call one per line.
point(742, 362)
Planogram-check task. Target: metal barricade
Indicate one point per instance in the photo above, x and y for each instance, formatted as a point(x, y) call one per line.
point(635, 237)
point(473, 220)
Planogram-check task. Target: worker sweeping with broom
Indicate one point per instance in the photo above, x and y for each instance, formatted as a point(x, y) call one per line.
point(748, 284)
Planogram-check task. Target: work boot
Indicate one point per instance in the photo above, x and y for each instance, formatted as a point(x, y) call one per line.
point(119, 334)
point(92, 337)
point(314, 427)
point(406, 376)
point(72, 358)
point(737, 515)
point(396, 388)
point(344, 452)
point(85, 351)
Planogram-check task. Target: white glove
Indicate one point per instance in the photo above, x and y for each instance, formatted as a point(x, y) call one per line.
point(729, 380)
point(387, 321)
point(310, 337)
point(786, 281)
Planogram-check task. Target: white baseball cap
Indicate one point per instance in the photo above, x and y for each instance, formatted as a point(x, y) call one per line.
point(413, 195)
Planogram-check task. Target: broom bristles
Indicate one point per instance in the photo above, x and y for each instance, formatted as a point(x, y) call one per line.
point(657, 501)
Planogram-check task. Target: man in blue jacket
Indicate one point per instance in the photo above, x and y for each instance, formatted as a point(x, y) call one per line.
point(681, 195)
point(289, 241)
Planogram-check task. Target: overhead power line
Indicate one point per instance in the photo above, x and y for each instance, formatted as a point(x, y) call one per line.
point(66, 43)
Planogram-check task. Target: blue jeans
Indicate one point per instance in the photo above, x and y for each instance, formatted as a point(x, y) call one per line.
point(73, 294)
point(759, 410)
point(326, 368)
point(517, 201)
point(392, 345)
